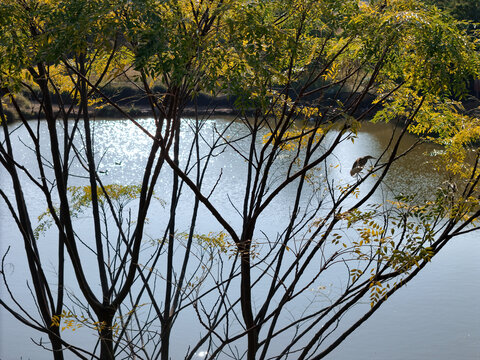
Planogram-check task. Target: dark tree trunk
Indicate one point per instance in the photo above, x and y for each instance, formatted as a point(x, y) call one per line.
point(246, 299)
point(57, 346)
point(106, 338)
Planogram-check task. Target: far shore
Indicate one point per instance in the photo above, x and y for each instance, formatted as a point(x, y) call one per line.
point(205, 105)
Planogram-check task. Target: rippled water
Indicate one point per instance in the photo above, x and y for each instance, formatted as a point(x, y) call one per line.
point(437, 316)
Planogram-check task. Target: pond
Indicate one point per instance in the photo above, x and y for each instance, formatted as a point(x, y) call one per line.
point(435, 317)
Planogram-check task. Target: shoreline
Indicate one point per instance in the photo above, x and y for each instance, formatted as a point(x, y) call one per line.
point(221, 106)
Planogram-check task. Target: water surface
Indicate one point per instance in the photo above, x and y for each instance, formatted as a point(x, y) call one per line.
point(437, 316)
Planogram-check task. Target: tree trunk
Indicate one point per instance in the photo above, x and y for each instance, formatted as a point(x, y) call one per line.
point(106, 337)
point(246, 299)
point(56, 343)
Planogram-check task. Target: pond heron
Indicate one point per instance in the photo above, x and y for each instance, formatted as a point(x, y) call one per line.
point(359, 164)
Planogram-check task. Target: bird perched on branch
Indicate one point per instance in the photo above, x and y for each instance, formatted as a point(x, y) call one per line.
point(359, 164)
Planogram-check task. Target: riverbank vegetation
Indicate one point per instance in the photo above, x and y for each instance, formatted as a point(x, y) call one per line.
point(334, 63)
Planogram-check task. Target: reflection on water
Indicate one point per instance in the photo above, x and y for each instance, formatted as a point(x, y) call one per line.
point(436, 317)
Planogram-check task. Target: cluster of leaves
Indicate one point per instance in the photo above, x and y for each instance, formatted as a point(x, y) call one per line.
point(81, 199)
point(294, 138)
point(119, 195)
point(401, 243)
point(71, 321)
point(219, 242)
point(398, 246)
